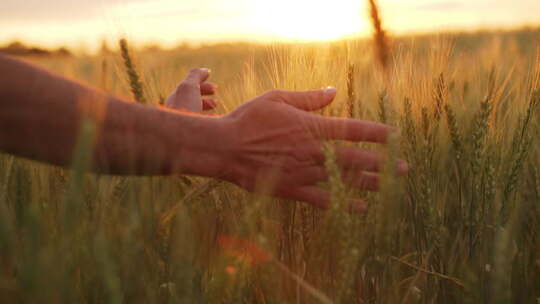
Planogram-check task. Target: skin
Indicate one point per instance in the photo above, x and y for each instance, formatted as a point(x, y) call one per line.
point(271, 140)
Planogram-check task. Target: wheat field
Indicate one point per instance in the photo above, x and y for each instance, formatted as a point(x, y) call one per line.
point(462, 227)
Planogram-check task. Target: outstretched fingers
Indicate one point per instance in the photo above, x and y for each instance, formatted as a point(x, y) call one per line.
point(356, 159)
point(354, 178)
point(306, 100)
point(365, 181)
point(332, 128)
point(353, 158)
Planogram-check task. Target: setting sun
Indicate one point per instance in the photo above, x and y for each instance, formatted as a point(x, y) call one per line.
point(309, 20)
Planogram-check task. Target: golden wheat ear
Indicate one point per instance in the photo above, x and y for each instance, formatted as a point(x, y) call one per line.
point(382, 45)
point(134, 79)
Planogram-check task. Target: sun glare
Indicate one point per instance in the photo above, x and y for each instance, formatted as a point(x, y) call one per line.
point(309, 20)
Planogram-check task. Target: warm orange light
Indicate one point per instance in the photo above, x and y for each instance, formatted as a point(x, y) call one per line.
point(243, 249)
point(230, 270)
point(308, 19)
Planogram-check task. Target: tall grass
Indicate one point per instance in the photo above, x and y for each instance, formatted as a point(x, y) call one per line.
point(462, 227)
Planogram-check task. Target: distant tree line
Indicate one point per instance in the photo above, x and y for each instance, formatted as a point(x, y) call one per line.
point(17, 48)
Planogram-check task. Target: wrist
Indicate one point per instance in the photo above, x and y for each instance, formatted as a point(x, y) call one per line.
point(200, 146)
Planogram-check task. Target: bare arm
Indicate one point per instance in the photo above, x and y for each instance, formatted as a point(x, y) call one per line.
point(40, 116)
point(271, 140)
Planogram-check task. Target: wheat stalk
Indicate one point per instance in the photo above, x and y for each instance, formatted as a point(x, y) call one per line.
point(135, 82)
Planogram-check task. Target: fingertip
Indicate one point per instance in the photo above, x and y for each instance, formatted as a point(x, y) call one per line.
point(322, 98)
point(403, 167)
point(330, 92)
point(379, 132)
point(205, 74)
point(209, 104)
point(198, 75)
point(200, 71)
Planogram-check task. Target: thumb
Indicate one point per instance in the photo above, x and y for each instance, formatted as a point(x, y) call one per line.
point(197, 76)
point(305, 100)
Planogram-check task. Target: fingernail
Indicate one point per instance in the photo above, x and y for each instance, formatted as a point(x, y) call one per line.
point(207, 70)
point(330, 91)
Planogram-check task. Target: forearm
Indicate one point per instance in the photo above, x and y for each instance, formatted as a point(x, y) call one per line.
point(41, 114)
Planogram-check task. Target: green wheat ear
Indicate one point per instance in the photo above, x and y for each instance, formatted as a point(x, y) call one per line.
point(134, 79)
point(455, 135)
point(521, 147)
point(339, 226)
point(383, 107)
point(479, 133)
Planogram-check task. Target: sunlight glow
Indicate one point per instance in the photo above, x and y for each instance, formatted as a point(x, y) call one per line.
point(309, 20)
point(85, 23)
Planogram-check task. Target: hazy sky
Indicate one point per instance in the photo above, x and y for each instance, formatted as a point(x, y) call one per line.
point(85, 22)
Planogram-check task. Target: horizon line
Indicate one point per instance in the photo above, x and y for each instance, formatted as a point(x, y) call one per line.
point(270, 40)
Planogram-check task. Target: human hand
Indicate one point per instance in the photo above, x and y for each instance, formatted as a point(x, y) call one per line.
point(188, 95)
point(273, 141)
